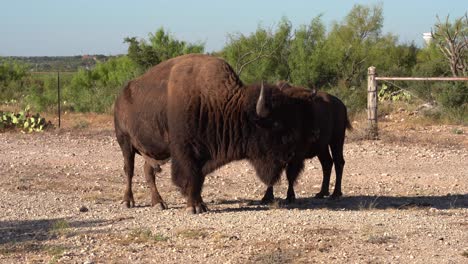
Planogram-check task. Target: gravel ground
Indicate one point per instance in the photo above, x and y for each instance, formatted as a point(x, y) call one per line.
point(405, 201)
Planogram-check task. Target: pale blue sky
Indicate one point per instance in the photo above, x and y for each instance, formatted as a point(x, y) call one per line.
point(60, 27)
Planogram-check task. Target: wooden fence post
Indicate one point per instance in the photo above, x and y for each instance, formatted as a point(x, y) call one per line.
point(372, 130)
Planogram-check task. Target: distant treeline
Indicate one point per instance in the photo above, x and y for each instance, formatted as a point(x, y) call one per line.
point(59, 63)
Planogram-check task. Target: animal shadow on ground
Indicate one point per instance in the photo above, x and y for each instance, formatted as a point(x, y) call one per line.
point(42, 229)
point(360, 202)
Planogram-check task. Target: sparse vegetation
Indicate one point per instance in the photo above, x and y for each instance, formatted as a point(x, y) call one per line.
point(368, 205)
point(23, 120)
point(81, 124)
point(21, 248)
point(56, 252)
point(381, 239)
point(60, 227)
point(193, 233)
point(140, 235)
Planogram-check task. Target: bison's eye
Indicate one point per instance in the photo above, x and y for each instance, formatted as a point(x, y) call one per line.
point(277, 125)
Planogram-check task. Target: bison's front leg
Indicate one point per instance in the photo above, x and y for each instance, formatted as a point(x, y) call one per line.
point(156, 198)
point(195, 204)
point(269, 173)
point(188, 177)
point(293, 170)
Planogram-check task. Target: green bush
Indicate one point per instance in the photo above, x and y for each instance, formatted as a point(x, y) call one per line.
point(453, 99)
point(355, 98)
point(95, 90)
point(12, 75)
point(453, 95)
point(41, 92)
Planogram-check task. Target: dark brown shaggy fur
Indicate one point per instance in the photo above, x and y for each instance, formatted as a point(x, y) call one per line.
point(195, 110)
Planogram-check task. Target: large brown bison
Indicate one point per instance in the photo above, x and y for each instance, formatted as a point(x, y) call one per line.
point(195, 110)
point(331, 121)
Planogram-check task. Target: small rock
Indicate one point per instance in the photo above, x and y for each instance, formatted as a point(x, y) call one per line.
point(84, 209)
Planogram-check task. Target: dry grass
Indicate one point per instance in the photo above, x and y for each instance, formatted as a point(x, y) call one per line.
point(60, 227)
point(193, 233)
point(368, 205)
point(381, 239)
point(55, 252)
point(20, 248)
point(81, 124)
point(140, 236)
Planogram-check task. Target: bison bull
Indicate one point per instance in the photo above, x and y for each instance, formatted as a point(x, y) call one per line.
point(331, 121)
point(195, 110)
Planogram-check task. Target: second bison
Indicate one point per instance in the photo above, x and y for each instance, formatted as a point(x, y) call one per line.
point(330, 118)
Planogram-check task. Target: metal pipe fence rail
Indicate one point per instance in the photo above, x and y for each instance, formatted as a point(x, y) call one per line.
point(372, 95)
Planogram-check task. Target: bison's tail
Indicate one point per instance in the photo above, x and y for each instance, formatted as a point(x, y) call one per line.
point(348, 123)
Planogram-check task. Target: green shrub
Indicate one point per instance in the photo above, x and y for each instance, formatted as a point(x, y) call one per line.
point(12, 75)
point(95, 90)
point(355, 98)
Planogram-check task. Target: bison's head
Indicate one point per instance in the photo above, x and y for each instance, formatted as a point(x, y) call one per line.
point(282, 122)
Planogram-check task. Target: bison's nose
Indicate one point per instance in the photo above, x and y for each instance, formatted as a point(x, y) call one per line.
point(288, 139)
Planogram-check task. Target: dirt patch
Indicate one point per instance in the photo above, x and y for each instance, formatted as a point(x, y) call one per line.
point(405, 201)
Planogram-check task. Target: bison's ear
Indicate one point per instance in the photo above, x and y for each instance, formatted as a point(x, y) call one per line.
point(283, 85)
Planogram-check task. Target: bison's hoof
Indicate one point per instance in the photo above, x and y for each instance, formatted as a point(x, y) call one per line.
point(335, 196)
point(160, 205)
point(267, 199)
point(321, 195)
point(197, 209)
point(291, 199)
point(129, 203)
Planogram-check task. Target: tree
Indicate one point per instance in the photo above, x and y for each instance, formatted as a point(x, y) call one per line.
point(160, 46)
point(452, 40)
point(348, 44)
point(307, 65)
point(262, 55)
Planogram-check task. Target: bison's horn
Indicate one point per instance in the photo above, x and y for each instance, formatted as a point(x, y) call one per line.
point(313, 92)
point(262, 110)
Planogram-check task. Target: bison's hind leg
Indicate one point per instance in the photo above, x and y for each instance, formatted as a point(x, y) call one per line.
point(327, 164)
point(150, 172)
point(338, 160)
point(129, 163)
